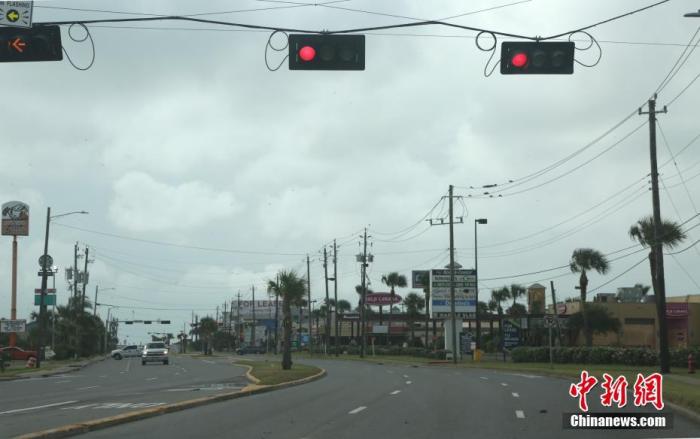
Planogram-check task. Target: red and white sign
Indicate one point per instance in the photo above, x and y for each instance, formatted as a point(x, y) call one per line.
point(382, 299)
point(676, 309)
point(48, 291)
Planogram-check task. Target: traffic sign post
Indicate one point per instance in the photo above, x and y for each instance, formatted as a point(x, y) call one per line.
point(40, 43)
point(549, 322)
point(16, 14)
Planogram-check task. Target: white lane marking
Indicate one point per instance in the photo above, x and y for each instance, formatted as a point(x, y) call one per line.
point(183, 369)
point(520, 414)
point(515, 395)
point(525, 375)
point(209, 361)
point(409, 382)
point(357, 410)
point(103, 376)
point(395, 392)
point(180, 390)
point(405, 376)
point(151, 379)
point(128, 365)
point(78, 407)
point(36, 407)
point(483, 378)
point(88, 387)
point(504, 384)
point(177, 373)
point(61, 382)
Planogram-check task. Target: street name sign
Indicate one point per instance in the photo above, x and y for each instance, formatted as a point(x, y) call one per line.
point(19, 325)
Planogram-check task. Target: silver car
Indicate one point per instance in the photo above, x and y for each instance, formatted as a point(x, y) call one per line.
point(126, 352)
point(156, 352)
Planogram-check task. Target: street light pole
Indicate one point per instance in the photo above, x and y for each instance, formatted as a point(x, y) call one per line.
point(476, 277)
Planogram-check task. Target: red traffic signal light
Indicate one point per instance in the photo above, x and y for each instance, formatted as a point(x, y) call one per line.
point(537, 57)
point(326, 52)
point(40, 43)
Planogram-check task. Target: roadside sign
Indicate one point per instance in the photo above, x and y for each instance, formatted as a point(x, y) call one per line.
point(45, 263)
point(17, 14)
point(380, 329)
point(382, 299)
point(15, 218)
point(19, 325)
point(417, 277)
point(465, 292)
point(511, 333)
point(549, 321)
point(49, 300)
point(48, 291)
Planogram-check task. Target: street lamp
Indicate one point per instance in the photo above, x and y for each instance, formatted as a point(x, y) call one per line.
point(44, 271)
point(476, 276)
point(693, 14)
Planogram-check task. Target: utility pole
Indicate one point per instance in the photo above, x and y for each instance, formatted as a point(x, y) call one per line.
point(554, 310)
point(657, 247)
point(252, 331)
point(75, 270)
point(363, 317)
point(238, 317)
point(94, 311)
point(335, 294)
point(327, 329)
point(277, 316)
point(308, 302)
point(453, 316)
point(85, 279)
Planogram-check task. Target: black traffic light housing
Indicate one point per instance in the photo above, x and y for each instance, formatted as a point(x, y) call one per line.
point(326, 52)
point(537, 57)
point(40, 43)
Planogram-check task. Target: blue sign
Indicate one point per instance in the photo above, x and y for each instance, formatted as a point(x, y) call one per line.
point(511, 334)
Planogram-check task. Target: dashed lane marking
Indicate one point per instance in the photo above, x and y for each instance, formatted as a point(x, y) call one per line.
point(515, 395)
point(405, 376)
point(151, 379)
point(483, 378)
point(8, 412)
point(61, 382)
point(103, 376)
point(409, 382)
point(520, 414)
point(209, 361)
point(357, 410)
point(87, 387)
point(504, 384)
point(395, 392)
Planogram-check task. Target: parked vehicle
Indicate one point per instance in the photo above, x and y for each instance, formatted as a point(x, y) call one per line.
point(126, 352)
point(251, 350)
point(155, 352)
point(17, 353)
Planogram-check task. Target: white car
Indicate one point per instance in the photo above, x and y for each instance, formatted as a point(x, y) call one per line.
point(126, 352)
point(155, 352)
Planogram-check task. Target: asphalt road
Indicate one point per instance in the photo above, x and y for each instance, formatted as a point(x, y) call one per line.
point(108, 388)
point(363, 400)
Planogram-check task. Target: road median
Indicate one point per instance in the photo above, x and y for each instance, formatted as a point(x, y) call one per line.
point(253, 389)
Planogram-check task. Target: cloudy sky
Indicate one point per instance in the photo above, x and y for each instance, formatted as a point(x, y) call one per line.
point(180, 135)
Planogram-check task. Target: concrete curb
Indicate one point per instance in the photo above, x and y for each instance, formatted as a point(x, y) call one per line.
point(97, 424)
point(248, 373)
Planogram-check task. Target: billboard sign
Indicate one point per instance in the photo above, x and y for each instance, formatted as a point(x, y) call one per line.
point(511, 333)
point(380, 329)
point(676, 309)
point(19, 325)
point(417, 277)
point(382, 299)
point(15, 218)
point(465, 292)
point(263, 309)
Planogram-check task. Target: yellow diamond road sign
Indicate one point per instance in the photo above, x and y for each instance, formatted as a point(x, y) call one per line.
point(18, 14)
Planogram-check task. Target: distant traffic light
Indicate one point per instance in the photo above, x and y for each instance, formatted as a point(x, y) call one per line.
point(40, 43)
point(128, 322)
point(537, 57)
point(146, 322)
point(165, 322)
point(326, 52)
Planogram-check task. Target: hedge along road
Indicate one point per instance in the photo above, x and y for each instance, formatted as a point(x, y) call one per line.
point(109, 388)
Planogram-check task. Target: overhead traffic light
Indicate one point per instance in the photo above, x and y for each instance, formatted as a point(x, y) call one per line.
point(40, 43)
point(537, 57)
point(326, 52)
point(164, 322)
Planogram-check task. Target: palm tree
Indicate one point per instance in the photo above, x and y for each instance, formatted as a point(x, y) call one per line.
point(498, 297)
point(292, 288)
point(343, 306)
point(583, 260)
point(207, 329)
point(393, 280)
point(670, 236)
point(414, 305)
point(645, 289)
point(516, 291)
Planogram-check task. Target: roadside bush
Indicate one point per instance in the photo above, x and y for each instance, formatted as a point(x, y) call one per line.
point(601, 355)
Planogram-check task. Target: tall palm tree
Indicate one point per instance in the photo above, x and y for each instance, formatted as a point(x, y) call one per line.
point(582, 261)
point(393, 280)
point(516, 291)
point(498, 297)
point(414, 305)
point(292, 288)
point(671, 235)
